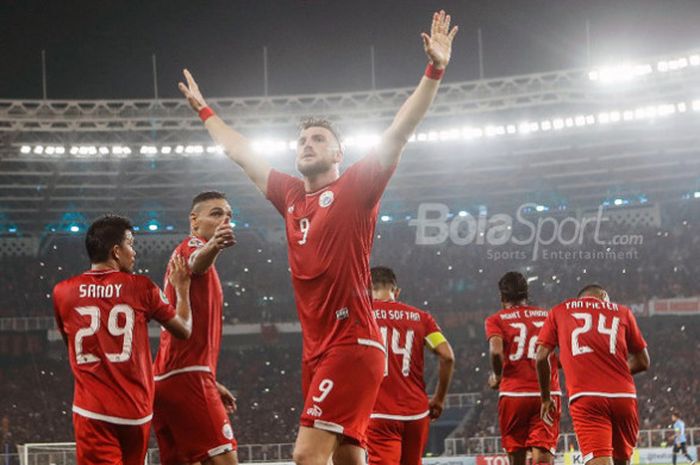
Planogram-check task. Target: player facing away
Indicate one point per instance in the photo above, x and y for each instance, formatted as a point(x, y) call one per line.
point(103, 317)
point(191, 408)
point(512, 333)
point(330, 221)
point(601, 348)
point(400, 420)
point(679, 439)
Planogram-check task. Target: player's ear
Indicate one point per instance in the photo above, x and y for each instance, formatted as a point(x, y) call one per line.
point(397, 292)
point(115, 252)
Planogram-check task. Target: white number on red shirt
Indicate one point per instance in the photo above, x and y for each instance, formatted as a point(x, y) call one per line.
point(325, 386)
point(304, 225)
point(127, 331)
point(587, 318)
point(404, 351)
point(521, 339)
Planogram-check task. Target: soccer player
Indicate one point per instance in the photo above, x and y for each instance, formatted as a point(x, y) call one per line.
point(601, 348)
point(679, 440)
point(512, 335)
point(330, 221)
point(191, 408)
point(400, 420)
point(103, 317)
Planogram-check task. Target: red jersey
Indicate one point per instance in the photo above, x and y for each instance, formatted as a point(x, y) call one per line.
point(103, 316)
point(519, 328)
point(201, 351)
point(405, 331)
point(594, 338)
point(329, 238)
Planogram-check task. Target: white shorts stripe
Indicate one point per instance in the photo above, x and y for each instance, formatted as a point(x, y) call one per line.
point(386, 416)
point(329, 426)
point(612, 395)
point(110, 419)
point(182, 370)
point(371, 343)
point(526, 394)
point(220, 450)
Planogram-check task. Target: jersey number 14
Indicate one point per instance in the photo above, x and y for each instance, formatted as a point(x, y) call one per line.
point(404, 352)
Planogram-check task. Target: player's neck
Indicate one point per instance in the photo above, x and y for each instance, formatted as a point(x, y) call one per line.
point(105, 266)
point(319, 181)
point(383, 296)
point(522, 303)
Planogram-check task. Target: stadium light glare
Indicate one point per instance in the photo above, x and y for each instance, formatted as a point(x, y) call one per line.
point(12, 229)
point(166, 149)
point(541, 208)
point(38, 150)
point(462, 213)
point(103, 150)
point(696, 194)
point(153, 227)
point(74, 228)
point(25, 149)
point(385, 218)
point(619, 73)
point(696, 105)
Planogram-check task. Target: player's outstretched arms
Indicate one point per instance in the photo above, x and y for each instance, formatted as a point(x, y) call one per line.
point(181, 325)
point(438, 48)
point(446, 358)
point(238, 148)
point(205, 257)
point(496, 356)
point(639, 362)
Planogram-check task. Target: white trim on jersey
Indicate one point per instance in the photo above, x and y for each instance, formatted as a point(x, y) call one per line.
point(110, 419)
point(613, 395)
point(203, 368)
point(371, 343)
point(97, 272)
point(525, 394)
point(329, 426)
point(218, 450)
point(587, 457)
point(386, 416)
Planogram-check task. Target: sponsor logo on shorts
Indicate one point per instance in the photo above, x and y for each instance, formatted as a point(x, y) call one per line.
point(325, 199)
point(227, 431)
point(342, 314)
point(314, 411)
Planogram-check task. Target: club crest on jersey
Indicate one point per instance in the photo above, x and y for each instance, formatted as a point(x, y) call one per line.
point(195, 242)
point(163, 297)
point(290, 209)
point(325, 199)
point(227, 431)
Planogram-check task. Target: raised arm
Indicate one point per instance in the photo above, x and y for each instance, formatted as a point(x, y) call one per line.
point(237, 147)
point(438, 47)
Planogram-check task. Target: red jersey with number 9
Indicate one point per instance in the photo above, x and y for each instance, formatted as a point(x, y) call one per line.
point(594, 338)
point(103, 316)
point(405, 331)
point(519, 328)
point(329, 239)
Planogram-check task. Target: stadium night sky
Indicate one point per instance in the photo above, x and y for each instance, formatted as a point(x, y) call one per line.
point(102, 49)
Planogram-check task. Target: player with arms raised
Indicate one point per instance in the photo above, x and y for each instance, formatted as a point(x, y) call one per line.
point(600, 347)
point(398, 430)
point(512, 334)
point(103, 316)
point(330, 221)
point(191, 409)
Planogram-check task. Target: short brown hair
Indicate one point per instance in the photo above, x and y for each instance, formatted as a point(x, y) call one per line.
point(207, 195)
point(383, 276)
point(313, 122)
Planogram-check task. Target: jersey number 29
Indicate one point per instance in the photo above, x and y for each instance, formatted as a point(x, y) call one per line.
point(114, 329)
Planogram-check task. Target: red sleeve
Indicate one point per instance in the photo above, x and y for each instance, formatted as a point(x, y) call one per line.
point(369, 179)
point(157, 306)
point(548, 334)
point(635, 340)
point(430, 324)
point(493, 327)
point(278, 185)
point(188, 250)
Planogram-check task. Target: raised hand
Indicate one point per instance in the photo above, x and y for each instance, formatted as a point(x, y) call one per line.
point(224, 236)
point(438, 45)
point(179, 275)
point(191, 92)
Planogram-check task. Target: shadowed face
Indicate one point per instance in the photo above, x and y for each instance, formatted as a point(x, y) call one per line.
point(208, 215)
point(318, 151)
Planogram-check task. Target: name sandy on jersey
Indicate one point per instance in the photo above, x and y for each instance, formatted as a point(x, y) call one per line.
point(527, 313)
point(591, 305)
point(100, 291)
point(396, 315)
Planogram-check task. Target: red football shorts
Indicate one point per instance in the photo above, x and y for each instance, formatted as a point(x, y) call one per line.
point(190, 420)
point(522, 427)
point(340, 388)
point(99, 442)
point(605, 426)
point(397, 442)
